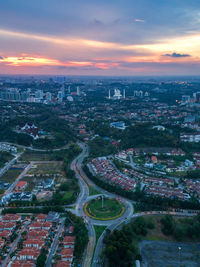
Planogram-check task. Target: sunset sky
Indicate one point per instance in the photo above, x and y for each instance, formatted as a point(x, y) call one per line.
point(107, 37)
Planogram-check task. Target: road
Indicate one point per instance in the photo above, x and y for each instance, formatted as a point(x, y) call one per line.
point(80, 202)
point(79, 209)
point(54, 245)
point(28, 167)
point(37, 149)
point(12, 186)
point(9, 164)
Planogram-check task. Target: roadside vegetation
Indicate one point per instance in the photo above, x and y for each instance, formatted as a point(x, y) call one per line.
point(81, 233)
point(99, 229)
point(93, 191)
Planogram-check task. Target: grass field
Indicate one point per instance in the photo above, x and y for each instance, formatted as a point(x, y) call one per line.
point(30, 155)
point(111, 209)
point(93, 191)
point(31, 183)
point(46, 168)
point(5, 157)
point(99, 230)
point(11, 175)
point(33, 156)
point(67, 195)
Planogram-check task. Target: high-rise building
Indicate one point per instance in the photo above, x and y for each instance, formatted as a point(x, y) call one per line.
point(60, 96)
point(124, 93)
point(14, 94)
point(197, 97)
point(109, 94)
point(39, 94)
point(185, 99)
point(48, 96)
point(4, 94)
point(60, 79)
point(78, 90)
point(63, 90)
point(24, 96)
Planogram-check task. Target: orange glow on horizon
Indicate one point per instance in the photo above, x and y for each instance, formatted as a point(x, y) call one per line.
point(29, 61)
point(39, 61)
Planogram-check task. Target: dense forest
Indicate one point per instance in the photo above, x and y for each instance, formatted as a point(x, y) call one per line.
point(100, 147)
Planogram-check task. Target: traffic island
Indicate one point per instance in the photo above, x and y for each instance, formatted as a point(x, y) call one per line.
point(104, 209)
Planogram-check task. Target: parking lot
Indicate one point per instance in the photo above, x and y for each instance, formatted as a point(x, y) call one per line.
point(169, 254)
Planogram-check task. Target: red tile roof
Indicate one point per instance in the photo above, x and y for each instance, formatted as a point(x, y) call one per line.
point(21, 184)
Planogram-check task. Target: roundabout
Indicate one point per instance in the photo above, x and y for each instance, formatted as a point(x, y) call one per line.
point(104, 209)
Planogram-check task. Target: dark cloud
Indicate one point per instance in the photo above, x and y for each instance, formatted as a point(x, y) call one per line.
point(1, 57)
point(177, 55)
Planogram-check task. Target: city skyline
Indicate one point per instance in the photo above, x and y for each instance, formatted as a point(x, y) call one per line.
point(100, 38)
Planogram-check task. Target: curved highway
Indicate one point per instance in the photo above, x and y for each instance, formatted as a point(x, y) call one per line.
point(79, 210)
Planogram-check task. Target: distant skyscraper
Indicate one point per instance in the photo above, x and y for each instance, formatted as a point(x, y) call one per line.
point(48, 96)
point(124, 93)
point(78, 90)
point(24, 96)
point(109, 94)
point(14, 94)
point(60, 79)
point(197, 98)
point(39, 94)
point(60, 96)
point(63, 90)
point(185, 99)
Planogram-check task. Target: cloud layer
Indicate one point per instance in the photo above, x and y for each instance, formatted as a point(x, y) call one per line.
point(100, 37)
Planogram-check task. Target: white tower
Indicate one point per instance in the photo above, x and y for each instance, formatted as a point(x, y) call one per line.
point(78, 90)
point(141, 93)
point(109, 94)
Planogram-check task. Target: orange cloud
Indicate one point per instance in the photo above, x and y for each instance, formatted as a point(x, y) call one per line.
point(29, 61)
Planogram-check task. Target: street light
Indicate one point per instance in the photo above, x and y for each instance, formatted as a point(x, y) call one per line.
point(179, 249)
point(102, 201)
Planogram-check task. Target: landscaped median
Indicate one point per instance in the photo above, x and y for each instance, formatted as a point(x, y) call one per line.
point(104, 210)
